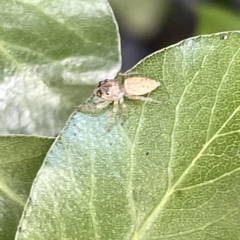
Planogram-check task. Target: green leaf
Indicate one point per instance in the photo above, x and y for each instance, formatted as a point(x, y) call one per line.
point(214, 18)
point(171, 172)
point(51, 55)
point(20, 159)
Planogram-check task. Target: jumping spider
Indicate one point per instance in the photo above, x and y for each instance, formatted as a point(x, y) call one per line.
point(112, 90)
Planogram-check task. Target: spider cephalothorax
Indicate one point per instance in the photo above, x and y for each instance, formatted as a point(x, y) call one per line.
point(111, 90)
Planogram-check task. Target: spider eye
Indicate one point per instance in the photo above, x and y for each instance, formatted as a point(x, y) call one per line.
point(107, 93)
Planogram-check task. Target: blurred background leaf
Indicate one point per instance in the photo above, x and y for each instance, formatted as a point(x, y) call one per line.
point(171, 172)
point(147, 27)
point(216, 18)
point(52, 53)
point(141, 18)
point(20, 160)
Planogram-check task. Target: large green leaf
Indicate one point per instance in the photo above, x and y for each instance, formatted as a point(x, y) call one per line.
point(20, 159)
point(51, 52)
point(171, 172)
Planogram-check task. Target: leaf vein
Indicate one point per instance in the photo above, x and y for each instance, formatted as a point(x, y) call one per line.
point(55, 20)
point(208, 182)
point(196, 229)
point(91, 204)
point(218, 90)
point(10, 57)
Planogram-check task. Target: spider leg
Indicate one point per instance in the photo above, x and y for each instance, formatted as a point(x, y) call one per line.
point(103, 104)
point(93, 106)
point(124, 110)
point(113, 114)
point(121, 76)
point(141, 98)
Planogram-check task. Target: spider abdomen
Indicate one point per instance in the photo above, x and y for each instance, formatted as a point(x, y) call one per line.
point(139, 85)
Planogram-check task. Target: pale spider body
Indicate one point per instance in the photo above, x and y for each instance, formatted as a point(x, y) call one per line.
point(111, 90)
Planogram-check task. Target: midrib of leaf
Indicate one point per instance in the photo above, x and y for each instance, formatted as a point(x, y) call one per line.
point(24, 49)
point(156, 211)
point(55, 20)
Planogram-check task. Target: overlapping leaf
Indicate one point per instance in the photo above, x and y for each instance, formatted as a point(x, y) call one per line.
point(20, 160)
point(51, 52)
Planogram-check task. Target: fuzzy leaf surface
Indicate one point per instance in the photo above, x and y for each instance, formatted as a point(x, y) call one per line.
point(51, 55)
